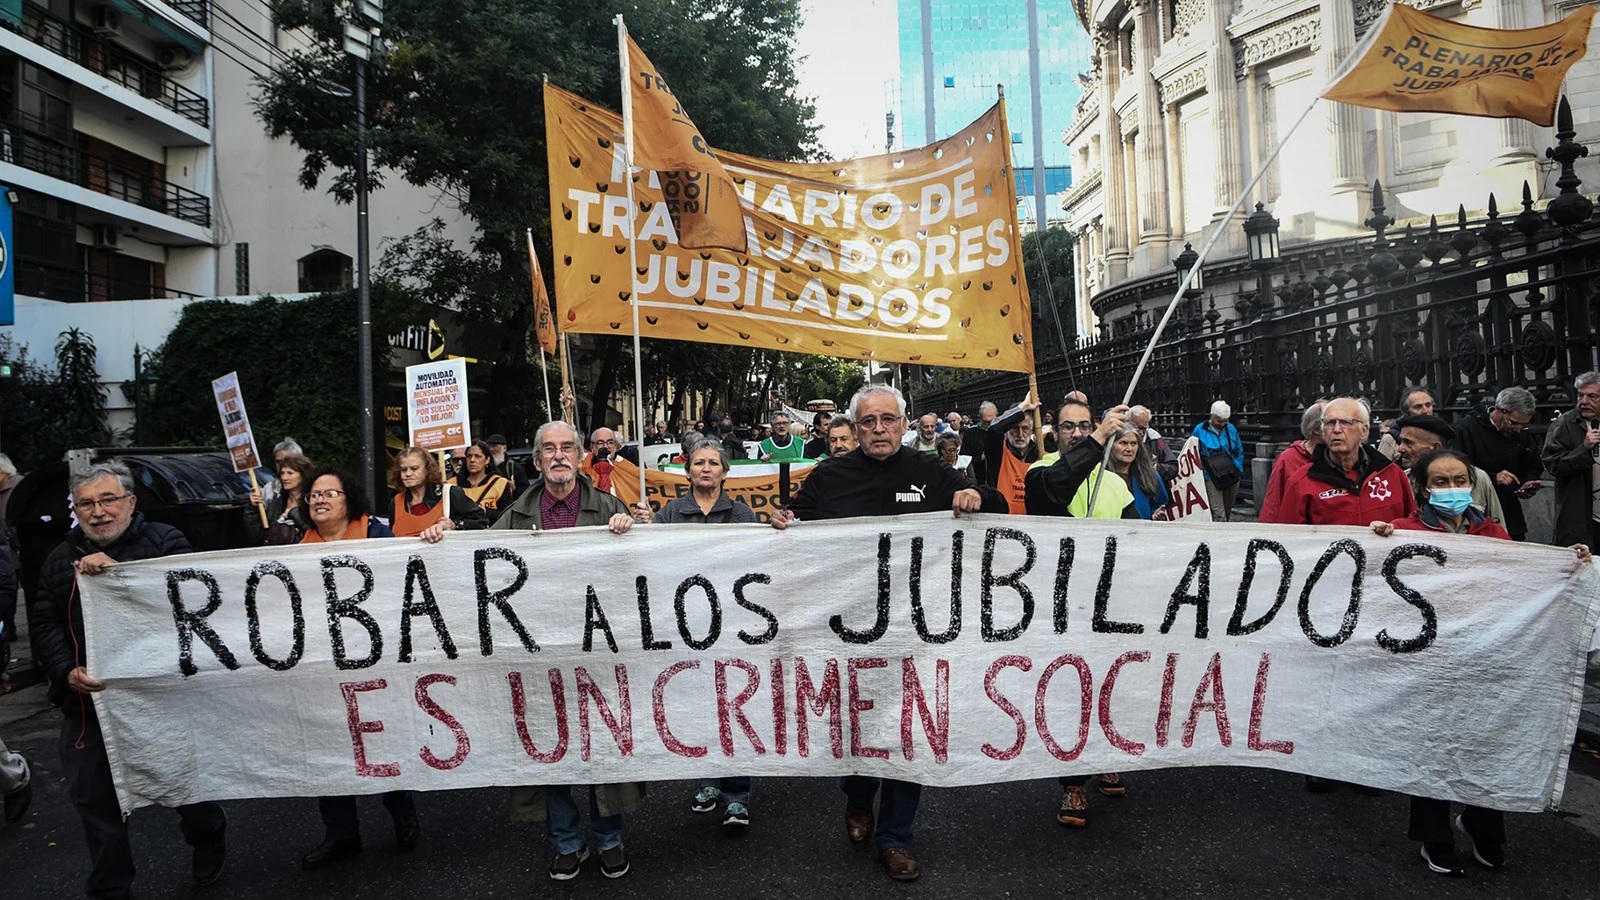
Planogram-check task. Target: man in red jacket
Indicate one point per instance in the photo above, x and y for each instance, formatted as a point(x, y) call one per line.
point(1291, 462)
point(1346, 482)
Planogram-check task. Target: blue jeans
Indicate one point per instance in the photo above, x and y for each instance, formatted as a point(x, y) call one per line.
point(896, 810)
point(564, 828)
point(734, 788)
point(340, 821)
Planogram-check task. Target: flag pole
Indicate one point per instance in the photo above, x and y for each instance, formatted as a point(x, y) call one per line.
point(565, 363)
point(633, 244)
point(1211, 240)
point(1022, 273)
point(544, 366)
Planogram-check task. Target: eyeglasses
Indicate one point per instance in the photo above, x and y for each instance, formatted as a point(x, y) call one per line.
point(1511, 421)
point(325, 495)
point(1072, 427)
point(553, 449)
point(89, 506)
point(871, 423)
point(605, 441)
point(1331, 424)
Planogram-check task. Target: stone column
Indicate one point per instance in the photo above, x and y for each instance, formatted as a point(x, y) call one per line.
point(1222, 88)
point(1115, 229)
point(1174, 173)
point(1513, 138)
point(1343, 120)
point(1155, 229)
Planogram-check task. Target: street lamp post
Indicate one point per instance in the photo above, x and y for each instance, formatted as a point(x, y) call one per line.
point(360, 36)
point(1261, 232)
point(1186, 261)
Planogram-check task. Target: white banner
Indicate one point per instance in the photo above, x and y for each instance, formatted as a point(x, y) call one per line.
point(1187, 492)
point(437, 416)
point(1439, 666)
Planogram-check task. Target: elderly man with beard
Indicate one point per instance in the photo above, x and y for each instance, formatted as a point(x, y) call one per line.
point(109, 531)
point(561, 499)
point(923, 439)
point(882, 477)
point(1008, 449)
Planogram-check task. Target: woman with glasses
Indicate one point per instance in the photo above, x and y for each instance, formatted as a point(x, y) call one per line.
point(708, 504)
point(490, 490)
point(418, 507)
point(286, 511)
point(339, 511)
point(1442, 482)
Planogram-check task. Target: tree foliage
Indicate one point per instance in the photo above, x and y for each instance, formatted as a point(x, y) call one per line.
point(459, 105)
point(297, 366)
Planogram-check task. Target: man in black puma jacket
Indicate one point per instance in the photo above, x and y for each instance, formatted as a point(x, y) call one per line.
point(109, 531)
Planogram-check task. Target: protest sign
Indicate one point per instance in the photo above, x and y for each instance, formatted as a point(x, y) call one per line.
point(909, 257)
point(436, 405)
point(235, 423)
point(939, 650)
point(757, 485)
point(1188, 490)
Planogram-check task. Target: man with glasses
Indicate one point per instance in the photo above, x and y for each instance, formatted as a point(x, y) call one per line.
point(110, 530)
point(1572, 454)
point(882, 477)
point(1008, 449)
point(560, 499)
point(1495, 437)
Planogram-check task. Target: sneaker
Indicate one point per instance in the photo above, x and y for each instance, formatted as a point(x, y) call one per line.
point(614, 862)
point(1111, 785)
point(1490, 856)
point(209, 857)
point(567, 866)
point(705, 800)
point(1441, 858)
point(1074, 810)
point(737, 815)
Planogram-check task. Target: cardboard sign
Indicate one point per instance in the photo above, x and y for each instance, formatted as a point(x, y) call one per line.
point(436, 405)
point(235, 423)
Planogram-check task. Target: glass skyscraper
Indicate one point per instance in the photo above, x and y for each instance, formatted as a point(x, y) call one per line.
point(959, 52)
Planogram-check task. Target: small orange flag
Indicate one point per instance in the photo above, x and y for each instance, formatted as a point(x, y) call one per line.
point(543, 322)
point(1422, 63)
point(698, 191)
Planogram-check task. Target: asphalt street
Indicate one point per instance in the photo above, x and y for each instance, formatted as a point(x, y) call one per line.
point(1178, 833)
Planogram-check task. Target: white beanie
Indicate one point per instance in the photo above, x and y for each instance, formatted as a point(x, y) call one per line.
point(1221, 409)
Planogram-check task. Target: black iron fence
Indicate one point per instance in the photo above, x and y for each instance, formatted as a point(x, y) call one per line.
point(1463, 309)
point(111, 60)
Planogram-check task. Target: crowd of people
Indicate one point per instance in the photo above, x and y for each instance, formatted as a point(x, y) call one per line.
point(1420, 473)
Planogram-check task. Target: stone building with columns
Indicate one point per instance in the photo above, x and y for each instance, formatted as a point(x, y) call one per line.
point(1188, 98)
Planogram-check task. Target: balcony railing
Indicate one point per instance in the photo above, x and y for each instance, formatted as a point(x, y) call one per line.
point(199, 11)
point(112, 61)
point(23, 144)
point(72, 285)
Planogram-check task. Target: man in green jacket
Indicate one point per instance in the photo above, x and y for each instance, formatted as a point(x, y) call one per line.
point(561, 499)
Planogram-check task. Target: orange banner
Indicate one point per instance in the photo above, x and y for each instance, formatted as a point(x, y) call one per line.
point(699, 195)
point(1422, 63)
point(911, 257)
point(543, 323)
point(760, 492)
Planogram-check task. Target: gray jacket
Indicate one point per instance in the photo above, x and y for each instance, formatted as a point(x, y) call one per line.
point(1573, 466)
point(725, 511)
point(595, 507)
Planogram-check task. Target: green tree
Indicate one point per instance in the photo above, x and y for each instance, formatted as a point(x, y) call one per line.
point(459, 105)
point(30, 409)
point(77, 372)
point(1047, 260)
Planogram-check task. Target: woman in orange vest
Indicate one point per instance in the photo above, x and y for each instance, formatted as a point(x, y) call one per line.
point(489, 490)
point(417, 507)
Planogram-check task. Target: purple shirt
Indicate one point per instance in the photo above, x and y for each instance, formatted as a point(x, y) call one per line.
point(555, 513)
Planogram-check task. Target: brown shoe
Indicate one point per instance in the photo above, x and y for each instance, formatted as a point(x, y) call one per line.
point(858, 825)
point(901, 864)
point(1111, 785)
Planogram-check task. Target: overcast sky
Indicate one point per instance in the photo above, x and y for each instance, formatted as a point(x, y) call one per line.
point(849, 55)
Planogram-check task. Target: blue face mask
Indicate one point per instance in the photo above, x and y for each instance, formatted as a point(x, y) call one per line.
point(1450, 501)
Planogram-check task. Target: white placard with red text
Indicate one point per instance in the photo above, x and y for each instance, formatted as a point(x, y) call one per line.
point(1431, 665)
point(436, 405)
point(1187, 493)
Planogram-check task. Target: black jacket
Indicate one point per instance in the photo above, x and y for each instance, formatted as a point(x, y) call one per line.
point(1494, 452)
point(1573, 466)
point(58, 629)
point(1050, 489)
point(855, 484)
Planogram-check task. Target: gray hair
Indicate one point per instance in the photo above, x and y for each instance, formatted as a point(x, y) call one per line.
point(1137, 411)
point(1311, 419)
point(538, 436)
point(1143, 467)
point(989, 406)
point(1405, 397)
point(838, 421)
point(1515, 400)
point(690, 437)
point(945, 439)
point(113, 468)
point(1587, 379)
point(876, 390)
point(1366, 408)
point(288, 445)
point(8, 469)
point(706, 443)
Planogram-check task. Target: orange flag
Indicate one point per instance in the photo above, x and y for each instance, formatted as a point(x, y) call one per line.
point(1422, 63)
point(699, 194)
point(543, 322)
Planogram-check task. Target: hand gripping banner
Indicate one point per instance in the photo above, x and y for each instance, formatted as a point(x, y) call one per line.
point(911, 257)
point(939, 650)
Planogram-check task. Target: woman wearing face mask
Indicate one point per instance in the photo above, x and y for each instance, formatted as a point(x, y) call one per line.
point(708, 504)
point(1442, 482)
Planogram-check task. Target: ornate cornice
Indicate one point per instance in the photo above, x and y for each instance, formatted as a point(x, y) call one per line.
point(1087, 112)
point(1368, 11)
point(1279, 39)
point(1081, 191)
point(1180, 85)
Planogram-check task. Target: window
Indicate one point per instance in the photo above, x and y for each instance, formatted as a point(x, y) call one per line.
point(1016, 137)
point(45, 245)
point(114, 276)
point(949, 81)
point(325, 270)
